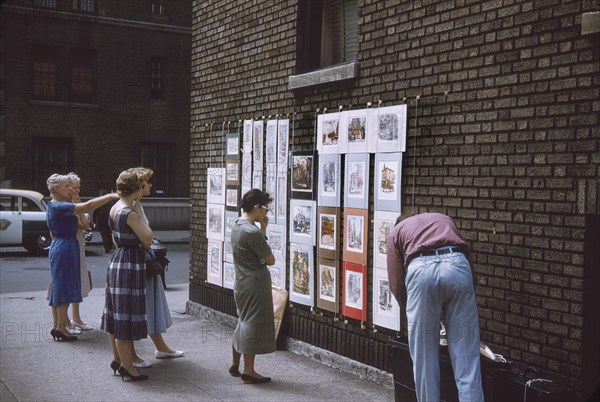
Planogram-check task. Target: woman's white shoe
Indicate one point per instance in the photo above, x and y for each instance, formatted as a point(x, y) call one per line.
point(144, 364)
point(165, 355)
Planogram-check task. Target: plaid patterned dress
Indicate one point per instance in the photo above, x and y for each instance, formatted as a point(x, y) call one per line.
point(124, 313)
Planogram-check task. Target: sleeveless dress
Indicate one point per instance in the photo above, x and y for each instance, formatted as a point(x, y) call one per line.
point(65, 282)
point(124, 313)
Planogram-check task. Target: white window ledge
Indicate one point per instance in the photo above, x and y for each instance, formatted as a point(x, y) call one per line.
point(329, 74)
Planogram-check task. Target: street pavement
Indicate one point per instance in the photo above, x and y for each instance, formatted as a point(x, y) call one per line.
point(35, 368)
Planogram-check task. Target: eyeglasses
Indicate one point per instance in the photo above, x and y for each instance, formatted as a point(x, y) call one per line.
point(265, 208)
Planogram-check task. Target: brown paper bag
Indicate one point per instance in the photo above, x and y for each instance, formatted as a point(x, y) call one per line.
point(279, 301)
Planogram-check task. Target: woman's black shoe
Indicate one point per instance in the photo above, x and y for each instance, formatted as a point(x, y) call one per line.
point(62, 337)
point(248, 379)
point(124, 373)
point(234, 371)
point(114, 366)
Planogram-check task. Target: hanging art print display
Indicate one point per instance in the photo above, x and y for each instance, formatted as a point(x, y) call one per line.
point(301, 274)
point(303, 222)
point(329, 188)
point(389, 128)
point(214, 262)
point(215, 185)
point(232, 197)
point(228, 275)
point(281, 201)
point(328, 223)
point(257, 154)
point(382, 226)
point(355, 235)
point(277, 241)
point(278, 274)
point(271, 143)
point(283, 132)
point(386, 311)
point(354, 291)
point(233, 146)
point(354, 135)
point(328, 285)
point(232, 173)
point(227, 249)
point(246, 174)
point(328, 130)
point(215, 221)
point(356, 181)
point(302, 174)
point(388, 173)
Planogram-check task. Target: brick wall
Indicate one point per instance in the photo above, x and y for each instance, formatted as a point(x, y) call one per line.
point(504, 137)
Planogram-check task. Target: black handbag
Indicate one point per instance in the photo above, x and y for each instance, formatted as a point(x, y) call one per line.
point(155, 265)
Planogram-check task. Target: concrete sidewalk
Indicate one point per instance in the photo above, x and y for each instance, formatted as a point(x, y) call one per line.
point(33, 367)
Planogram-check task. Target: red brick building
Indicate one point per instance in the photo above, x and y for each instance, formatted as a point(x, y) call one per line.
point(503, 135)
point(95, 86)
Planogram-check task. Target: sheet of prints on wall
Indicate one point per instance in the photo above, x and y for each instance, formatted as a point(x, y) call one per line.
point(354, 291)
point(302, 281)
point(228, 275)
point(283, 132)
point(383, 223)
point(356, 181)
point(328, 129)
point(389, 126)
point(386, 311)
point(303, 223)
point(215, 185)
point(278, 273)
point(355, 235)
point(355, 136)
point(328, 232)
point(246, 165)
point(388, 175)
point(214, 262)
point(215, 221)
point(302, 175)
point(257, 154)
point(328, 289)
point(329, 179)
point(233, 146)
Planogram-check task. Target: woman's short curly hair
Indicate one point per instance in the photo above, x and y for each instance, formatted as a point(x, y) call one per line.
point(144, 173)
point(54, 180)
point(128, 182)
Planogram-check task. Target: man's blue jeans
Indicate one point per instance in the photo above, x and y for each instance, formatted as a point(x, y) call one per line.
point(436, 285)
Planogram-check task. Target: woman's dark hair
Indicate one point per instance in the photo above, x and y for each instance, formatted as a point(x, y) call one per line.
point(255, 197)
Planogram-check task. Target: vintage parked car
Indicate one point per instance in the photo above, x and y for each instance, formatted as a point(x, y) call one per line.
point(23, 220)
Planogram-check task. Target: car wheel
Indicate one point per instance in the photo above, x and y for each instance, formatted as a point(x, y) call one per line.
point(39, 244)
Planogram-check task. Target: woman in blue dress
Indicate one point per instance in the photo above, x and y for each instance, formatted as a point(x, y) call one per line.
point(61, 218)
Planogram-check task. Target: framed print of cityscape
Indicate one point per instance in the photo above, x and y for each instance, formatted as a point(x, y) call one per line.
point(388, 173)
point(328, 232)
point(214, 262)
point(328, 279)
point(354, 291)
point(303, 225)
point(232, 197)
point(271, 143)
point(329, 179)
point(389, 126)
point(277, 240)
point(232, 173)
point(302, 174)
point(283, 132)
point(355, 235)
point(215, 185)
point(354, 135)
point(215, 221)
point(302, 283)
point(356, 181)
point(386, 311)
point(233, 146)
point(382, 225)
point(328, 129)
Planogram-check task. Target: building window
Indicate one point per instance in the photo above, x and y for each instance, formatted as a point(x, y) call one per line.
point(82, 76)
point(44, 73)
point(50, 155)
point(159, 8)
point(158, 157)
point(45, 3)
point(86, 6)
point(328, 33)
point(157, 77)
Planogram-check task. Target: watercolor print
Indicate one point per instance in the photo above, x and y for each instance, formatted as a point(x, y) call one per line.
point(302, 222)
point(388, 180)
point(301, 273)
point(257, 144)
point(227, 249)
point(390, 128)
point(271, 142)
point(329, 180)
point(357, 132)
point(281, 201)
point(356, 179)
point(327, 232)
point(216, 185)
point(354, 289)
point(228, 275)
point(328, 131)
point(277, 272)
point(386, 311)
point(233, 145)
point(327, 282)
point(355, 234)
point(277, 241)
point(302, 173)
point(214, 259)
point(382, 226)
point(231, 197)
point(215, 225)
point(230, 218)
point(247, 140)
point(232, 173)
point(246, 175)
point(282, 145)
